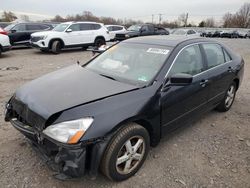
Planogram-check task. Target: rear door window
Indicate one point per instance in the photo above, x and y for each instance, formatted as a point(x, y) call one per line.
point(86, 27)
point(214, 55)
point(33, 27)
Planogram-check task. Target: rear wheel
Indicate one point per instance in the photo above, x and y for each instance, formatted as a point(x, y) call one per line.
point(126, 152)
point(228, 100)
point(56, 47)
point(0, 51)
point(99, 42)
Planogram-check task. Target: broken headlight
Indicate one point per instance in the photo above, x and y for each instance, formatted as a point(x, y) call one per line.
point(69, 132)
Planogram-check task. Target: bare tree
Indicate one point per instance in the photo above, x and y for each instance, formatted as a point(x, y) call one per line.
point(8, 16)
point(209, 22)
point(243, 16)
point(25, 18)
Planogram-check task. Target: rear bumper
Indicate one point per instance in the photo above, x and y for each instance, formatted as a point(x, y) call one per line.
point(69, 161)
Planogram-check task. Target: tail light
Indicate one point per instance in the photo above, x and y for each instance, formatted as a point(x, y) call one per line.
point(2, 31)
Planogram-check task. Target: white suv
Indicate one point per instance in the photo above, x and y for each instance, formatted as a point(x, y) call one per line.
point(4, 43)
point(114, 29)
point(71, 34)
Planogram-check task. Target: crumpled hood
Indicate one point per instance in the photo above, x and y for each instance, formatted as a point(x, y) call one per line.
point(66, 88)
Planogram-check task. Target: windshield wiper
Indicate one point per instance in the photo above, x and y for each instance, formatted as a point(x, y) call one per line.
point(110, 77)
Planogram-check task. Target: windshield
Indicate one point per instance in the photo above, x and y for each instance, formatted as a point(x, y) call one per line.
point(179, 32)
point(136, 64)
point(61, 27)
point(134, 28)
point(9, 27)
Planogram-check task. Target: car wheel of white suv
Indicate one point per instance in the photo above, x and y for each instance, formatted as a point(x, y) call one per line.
point(56, 47)
point(99, 42)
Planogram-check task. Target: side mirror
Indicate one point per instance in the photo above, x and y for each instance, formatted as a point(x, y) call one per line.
point(181, 79)
point(69, 30)
point(13, 31)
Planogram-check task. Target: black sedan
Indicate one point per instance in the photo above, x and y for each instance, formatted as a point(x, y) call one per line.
point(107, 113)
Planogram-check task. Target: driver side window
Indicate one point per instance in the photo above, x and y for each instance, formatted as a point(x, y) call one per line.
point(189, 61)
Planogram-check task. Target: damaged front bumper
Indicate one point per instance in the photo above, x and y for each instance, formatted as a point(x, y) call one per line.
point(69, 161)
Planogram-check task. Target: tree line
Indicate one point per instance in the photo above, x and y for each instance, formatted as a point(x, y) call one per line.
point(240, 19)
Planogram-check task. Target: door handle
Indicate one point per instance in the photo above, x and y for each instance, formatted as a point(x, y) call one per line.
point(203, 83)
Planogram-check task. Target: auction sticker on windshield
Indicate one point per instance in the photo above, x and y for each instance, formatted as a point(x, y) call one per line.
point(158, 51)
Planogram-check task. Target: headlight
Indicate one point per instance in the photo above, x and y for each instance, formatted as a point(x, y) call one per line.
point(69, 131)
point(127, 36)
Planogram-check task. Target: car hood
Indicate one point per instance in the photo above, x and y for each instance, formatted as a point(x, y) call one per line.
point(67, 88)
point(42, 33)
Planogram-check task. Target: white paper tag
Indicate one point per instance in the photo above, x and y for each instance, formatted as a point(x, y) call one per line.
point(158, 51)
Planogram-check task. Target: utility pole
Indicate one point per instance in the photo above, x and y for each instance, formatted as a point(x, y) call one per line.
point(160, 18)
point(186, 19)
point(152, 18)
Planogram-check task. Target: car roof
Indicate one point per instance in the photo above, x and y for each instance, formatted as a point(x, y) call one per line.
point(167, 40)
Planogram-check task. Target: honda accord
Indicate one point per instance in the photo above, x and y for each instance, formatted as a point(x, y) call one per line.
point(107, 113)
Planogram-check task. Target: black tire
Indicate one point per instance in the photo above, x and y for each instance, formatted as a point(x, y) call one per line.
point(99, 42)
point(56, 47)
point(0, 51)
point(225, 105)
point(118, 145)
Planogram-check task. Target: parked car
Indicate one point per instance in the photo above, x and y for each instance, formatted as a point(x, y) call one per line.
point(248, 33)
point(217, 33)
point(141, 30)
point(210, 33)
point(230, 34)
point(19, 33)
point(242, 34)
point(4, 24)
point(114, 29)
point(71, 34)
point(4, 43)
point(186, 32)
point(3, 32)
point(107, 113)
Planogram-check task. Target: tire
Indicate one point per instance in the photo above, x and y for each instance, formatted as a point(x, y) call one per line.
point(56, 47)
point(99, 42)
point(119, 147)
point(0, 51)
point(228, 99)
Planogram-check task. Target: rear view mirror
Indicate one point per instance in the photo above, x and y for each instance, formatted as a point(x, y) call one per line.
point(69, 30)
point(13, 31)
point(181, 79)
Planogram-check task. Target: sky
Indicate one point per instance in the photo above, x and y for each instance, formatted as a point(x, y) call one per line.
point(126, 9)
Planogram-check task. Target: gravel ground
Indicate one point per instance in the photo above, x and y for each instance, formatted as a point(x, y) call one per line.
point(212, 152)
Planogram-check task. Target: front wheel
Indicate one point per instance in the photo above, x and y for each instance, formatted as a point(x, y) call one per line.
point(228, 100)
point(56, 47)
point(126, 152)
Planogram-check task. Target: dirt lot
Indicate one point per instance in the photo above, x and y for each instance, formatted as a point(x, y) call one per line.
point(213, 152)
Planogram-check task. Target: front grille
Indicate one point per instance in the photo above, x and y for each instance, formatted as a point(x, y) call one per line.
point(23, 114)
point(120, 35)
